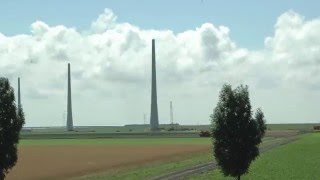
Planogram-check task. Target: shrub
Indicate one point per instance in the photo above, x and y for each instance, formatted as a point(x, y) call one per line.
point(204, 134)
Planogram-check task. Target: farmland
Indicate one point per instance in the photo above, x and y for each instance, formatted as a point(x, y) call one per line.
point(283, 162)
point(139, 131)
point(100, 152)
point(74, 157)
point(118, 158)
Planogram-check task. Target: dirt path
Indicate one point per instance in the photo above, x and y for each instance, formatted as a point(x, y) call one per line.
point(182, 174)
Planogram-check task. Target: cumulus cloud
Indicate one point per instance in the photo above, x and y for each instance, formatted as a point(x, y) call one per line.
point(104, 21)
point(295, 47)
point(114, 58)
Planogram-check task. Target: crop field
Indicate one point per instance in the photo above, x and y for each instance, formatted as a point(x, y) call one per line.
point(284, 162)
point(65, 158)
point(115, 158)
point(140, 131)
point(143, 128)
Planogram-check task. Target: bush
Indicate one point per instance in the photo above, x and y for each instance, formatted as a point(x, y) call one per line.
point(316, 127)
point(171, 129)
point(204, 134)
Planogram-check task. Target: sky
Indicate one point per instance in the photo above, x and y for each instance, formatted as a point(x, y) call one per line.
point(272, 46)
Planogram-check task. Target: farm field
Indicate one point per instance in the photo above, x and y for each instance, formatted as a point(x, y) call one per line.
point(115, 158)
point(152, 169)
point(65, 158)
point(139, 131)
point(122, 155)
point(139, 128)
point(157, 170)
point(284, 162)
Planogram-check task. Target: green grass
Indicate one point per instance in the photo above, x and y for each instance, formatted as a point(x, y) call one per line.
point(121, 141)
point(296, 160)
point(142, 128)
point(138, 128)
point(115, 141)
point(134, 131)
point(300, 127)
point(94, 135)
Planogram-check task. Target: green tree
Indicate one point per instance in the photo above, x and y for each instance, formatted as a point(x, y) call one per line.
point(236, 135)
point(259, 117)
point(11, 122)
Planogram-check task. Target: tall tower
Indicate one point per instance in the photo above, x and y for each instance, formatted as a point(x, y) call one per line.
point(171, 113)
point(19, 95)
point(154, 120)
point(69, 105)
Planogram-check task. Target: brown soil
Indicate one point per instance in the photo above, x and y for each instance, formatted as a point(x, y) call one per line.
point(61, 162)
point(283, 134)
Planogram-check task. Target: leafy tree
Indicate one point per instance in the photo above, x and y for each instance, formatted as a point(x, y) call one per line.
point(11, 122)
point(236, 135)
point(259, 117)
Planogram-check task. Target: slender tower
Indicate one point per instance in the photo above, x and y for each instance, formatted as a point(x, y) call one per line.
point(19, 95)
point(171, 114)
point(69, 106)
point(154, 120)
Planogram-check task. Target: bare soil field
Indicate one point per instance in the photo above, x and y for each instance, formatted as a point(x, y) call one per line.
point(283, 134)
point(62, 162)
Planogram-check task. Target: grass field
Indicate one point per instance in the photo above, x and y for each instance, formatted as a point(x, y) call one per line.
point(100, 153)
point(136, 131)
point(113, 158)
point(296, 160)
point(144, 128)
point(299, 127)
point(116, 129)
point(114, 141)
point(93, 135)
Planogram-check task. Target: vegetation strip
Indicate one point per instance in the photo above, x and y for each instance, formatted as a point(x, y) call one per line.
point(212, 165)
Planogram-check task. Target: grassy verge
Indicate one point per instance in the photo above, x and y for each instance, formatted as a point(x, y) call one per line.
point(297, 160)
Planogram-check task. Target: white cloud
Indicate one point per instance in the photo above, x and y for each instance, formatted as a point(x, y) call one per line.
point(295, 47)
point(111, 68)
point(104, 21)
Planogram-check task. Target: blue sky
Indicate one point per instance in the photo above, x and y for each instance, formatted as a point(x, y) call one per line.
point(110, 57)
point(250, 21)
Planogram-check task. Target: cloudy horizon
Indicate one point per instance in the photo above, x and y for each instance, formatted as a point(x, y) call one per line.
point(111, 70)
